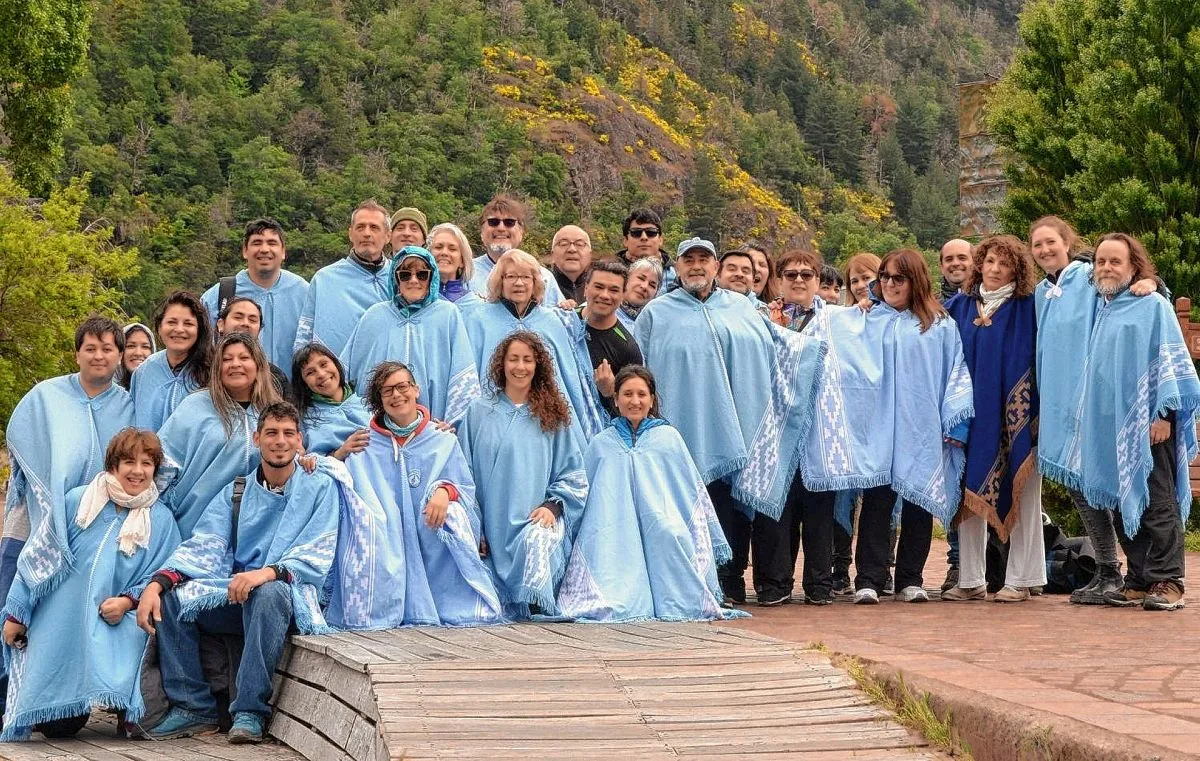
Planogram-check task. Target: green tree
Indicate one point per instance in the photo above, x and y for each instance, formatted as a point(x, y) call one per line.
point(53, 274)
point(706, 201)
point(1101, 112)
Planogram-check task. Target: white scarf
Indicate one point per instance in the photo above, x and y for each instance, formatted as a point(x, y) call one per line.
point(105, 488)
point(993, 300)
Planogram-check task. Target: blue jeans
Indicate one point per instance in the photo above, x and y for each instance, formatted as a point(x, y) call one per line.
point(264, 620)
point(952, 553)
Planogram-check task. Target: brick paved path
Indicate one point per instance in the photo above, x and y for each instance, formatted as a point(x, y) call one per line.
point(1129, 671)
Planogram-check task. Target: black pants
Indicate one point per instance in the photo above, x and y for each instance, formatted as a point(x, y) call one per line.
point(61, 729)
point(874, 525)
point(813, 511)
point(1155, 553)
point(737, 528)
point(842, 549)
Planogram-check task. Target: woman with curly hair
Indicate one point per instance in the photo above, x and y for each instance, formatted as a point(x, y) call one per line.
point(528, 473)
point(998, 326)
point(408, 546)
point(161, 382)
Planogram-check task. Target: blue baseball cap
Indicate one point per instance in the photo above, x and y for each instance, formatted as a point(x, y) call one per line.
point(693, 243)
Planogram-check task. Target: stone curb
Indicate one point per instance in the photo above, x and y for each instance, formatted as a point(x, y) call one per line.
point(996, 730)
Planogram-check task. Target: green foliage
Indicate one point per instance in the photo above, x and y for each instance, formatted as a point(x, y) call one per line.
point(1101, 110)
point(53, 274)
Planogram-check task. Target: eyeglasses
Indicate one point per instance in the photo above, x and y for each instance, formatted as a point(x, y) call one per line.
point(506, 221)
point(518, 278)
point(805, 275)
point(897, 278)
point(571, 243)
point(403, 387)
point(644, 232)
point(405, 275)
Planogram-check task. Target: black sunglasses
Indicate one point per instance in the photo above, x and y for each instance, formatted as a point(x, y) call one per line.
point(804, 275)
point(497, 221)
point(405, 275)
point(644, 232)
point(898, 278)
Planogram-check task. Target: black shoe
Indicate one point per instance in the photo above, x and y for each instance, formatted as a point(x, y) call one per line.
point(735, 591)
point(842, 586)
point(889, 587)
point(771, 599)
point(814, 600)
point(1106, 581)
point(951, 579)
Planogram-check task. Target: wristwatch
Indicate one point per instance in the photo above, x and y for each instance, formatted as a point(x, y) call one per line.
point(281, 572)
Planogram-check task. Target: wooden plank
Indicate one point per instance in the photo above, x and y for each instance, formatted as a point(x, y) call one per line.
point(85, 749)
point(307, 742)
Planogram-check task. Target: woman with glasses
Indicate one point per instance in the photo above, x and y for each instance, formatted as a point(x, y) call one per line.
point(896, 400)
point(408, 546)
point(425, 332)
point(514, 296)
point(529, 473)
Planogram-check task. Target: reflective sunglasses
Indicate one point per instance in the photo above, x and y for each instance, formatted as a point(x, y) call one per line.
point(805, 275)
point(405, 275)
point(644, 232)
point(497, 221)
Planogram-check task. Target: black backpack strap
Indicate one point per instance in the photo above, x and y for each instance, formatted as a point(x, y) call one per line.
point(226, 290)
point(239, 488)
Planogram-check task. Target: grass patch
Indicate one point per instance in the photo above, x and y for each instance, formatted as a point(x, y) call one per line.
point(1191, 541)
point(911, 710)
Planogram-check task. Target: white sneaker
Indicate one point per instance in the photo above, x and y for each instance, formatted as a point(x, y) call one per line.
point(913, 594)
point(866, 596)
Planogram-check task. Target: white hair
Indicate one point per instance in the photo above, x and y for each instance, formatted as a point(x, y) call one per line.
point(464, 246)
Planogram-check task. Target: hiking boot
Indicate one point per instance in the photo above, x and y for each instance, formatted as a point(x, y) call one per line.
point(1011, 594)
point(951, 581)
point(1125, 597)
point(913, 594)
point(179, 723)
point(866, 596)
point(960, 594)
point(1165, 595)
point(1106, 579)
point(247, 729)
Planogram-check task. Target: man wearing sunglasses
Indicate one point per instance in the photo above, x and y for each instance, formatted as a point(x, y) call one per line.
point(642, 237)
point(502, 228)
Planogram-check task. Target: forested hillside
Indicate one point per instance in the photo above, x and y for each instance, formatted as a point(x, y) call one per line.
point(825, 120)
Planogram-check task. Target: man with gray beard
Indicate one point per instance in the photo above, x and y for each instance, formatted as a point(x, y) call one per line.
point(502, 225)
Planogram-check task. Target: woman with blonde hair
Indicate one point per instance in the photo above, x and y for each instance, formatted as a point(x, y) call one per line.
point(860, 270)
point(452, 251)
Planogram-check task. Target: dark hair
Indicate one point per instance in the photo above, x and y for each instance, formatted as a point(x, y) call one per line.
point(260, 226)
point(1016, 252)
point(911, 264)
point(127, 443)
point(504, 203)
point(302, 395)
point(546, 402)
point(643, 217)
point(830, 276)
point(279, 411)
point(199, 357)
point(737, 252)
point(224, 313)
point(637, 371)
point(124, 377)
point(612, 267)
point(379, 376)
point(1138, 258)
point(262, 395)
point(97, 326)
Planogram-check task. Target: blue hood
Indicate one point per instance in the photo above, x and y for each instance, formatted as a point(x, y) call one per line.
point(435, 281)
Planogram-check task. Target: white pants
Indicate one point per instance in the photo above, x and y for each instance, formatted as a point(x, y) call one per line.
point(1026, 544)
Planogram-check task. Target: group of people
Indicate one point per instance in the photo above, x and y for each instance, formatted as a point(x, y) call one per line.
point(422, 436)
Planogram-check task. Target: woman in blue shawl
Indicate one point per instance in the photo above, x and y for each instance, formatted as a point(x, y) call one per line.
point(209, 440)
point(514, 296)
point(79, 647)
point(529, 473)
point(333, 417)
point(649, 542)
point(995, 317)
point(452, 252)
point(160, 383)
point(408, 543)
point(419, 329)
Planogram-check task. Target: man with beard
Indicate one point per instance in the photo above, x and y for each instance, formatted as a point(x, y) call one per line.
point(740, 391)
point(502, 227)
point(956, 265)
point(341, 292)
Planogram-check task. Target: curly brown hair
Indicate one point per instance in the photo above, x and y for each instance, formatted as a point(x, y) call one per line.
point(546, 402)
point(1014, 250)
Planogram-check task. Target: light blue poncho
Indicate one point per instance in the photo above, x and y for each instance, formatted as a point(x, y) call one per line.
point(391, 569)
point(56, 440)
point(74, 660)
point(156, 390)
point(281, 305)
point(739, 389)
point(200, 459)
point(483, 267)
point(430, 338)
point(338, 296)
point(489, 324)
point(1139, 368)
point(1065, 311)
point(518, 467)
point(296, 529)
point(890, 397)
point(327, 425)
point(649, 543)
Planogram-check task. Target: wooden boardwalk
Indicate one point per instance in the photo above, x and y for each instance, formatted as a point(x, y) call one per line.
point(547, 691)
